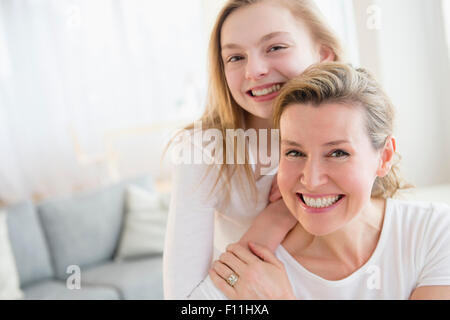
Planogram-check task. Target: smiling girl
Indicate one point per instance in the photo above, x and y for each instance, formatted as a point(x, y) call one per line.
point(256, 46)
point(338, 176)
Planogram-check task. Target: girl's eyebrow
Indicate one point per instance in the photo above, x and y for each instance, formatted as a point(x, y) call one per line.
point(328, 144)
point(267, 37)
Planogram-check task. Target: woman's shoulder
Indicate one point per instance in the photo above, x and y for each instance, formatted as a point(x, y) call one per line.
point(421, 217)
point(417, 207)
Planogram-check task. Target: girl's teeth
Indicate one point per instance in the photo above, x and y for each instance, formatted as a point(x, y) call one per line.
point(320, 202)
point(259, 93)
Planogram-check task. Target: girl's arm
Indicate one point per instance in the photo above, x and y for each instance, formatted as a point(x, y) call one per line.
point(272, 225)
point(189, 234)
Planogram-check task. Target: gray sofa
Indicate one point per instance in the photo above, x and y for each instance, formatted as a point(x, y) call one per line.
point(82, 230)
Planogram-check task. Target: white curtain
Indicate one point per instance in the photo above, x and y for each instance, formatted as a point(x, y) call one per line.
point(340, 15)
point(446, 14)
point(88, 88)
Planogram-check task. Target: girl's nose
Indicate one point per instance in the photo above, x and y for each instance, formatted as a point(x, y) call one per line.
point(256, 68)
point(313, 175)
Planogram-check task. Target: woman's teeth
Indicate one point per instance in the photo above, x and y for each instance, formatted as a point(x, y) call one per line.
point(320, 202)
point(263, 92)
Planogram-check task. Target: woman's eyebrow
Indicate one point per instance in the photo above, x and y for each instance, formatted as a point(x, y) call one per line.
point(335, 143)
point(328, 144)
point(290, 143)
point(265, 38)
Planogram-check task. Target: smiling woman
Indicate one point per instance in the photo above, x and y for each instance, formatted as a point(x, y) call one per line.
point(340, 173)
point(352, 239)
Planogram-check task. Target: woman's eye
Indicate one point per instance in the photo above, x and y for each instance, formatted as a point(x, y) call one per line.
point(339, 154)
point(294, 154)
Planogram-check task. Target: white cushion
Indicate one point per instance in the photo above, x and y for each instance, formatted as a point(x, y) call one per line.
point(438, 193)
point(9, 277)
point(144, 223)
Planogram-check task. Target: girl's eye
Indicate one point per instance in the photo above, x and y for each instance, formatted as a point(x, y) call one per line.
point(276, 48)
point(339, 154)
point(234, 59)
point(294, 154)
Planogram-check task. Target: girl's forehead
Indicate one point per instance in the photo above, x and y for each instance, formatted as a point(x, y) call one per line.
point(257, 20)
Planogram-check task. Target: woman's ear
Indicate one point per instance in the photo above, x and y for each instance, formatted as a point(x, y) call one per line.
point(326, 54)
point(387, 157)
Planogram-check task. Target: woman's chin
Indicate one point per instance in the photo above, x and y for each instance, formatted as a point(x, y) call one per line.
point(316, 228)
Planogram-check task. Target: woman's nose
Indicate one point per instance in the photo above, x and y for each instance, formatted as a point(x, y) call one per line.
point(313, 175)
point(256, 68)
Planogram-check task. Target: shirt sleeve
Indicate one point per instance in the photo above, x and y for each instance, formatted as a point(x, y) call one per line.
point(189, 241)
point(436, 249)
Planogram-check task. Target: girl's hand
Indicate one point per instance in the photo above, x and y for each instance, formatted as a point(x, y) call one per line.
point(261, 276)
point(275, 193)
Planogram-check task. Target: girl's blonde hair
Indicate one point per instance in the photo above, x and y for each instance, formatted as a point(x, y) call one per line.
point(340, 83)
point(222, 111)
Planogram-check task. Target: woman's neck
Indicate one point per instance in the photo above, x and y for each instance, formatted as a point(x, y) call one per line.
point(350, 246)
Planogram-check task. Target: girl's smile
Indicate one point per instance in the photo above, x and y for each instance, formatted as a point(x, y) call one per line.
point(274, 48)
point(266, 92)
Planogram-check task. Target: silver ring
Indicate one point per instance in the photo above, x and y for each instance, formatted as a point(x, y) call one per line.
point(232, 279)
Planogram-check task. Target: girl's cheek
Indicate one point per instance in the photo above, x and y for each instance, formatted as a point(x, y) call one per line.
point(295, 64)
point(234, 79)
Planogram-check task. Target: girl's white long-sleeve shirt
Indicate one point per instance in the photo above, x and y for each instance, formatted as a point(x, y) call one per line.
point(201, 223)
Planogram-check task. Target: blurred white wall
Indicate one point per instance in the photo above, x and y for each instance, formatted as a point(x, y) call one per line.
point(88, 90)
point(407, 51)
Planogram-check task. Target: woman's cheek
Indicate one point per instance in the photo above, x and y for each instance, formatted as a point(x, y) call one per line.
point(287, 172)
point(355, 178)
point(354, 183)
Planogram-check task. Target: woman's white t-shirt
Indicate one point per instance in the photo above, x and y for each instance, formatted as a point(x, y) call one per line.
point(413, 251)
point(201, 224)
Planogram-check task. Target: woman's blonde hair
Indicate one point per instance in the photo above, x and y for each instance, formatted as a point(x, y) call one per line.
point(222, 111)
point(341, 83)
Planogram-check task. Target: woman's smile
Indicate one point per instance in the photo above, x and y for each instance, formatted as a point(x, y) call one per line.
point(319, 203)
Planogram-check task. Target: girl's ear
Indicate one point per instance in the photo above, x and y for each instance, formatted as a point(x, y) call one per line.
point(326, 54)
point(387, 157)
